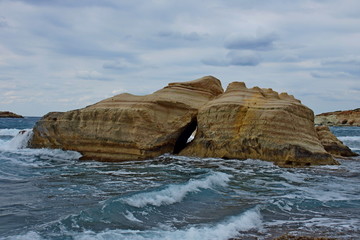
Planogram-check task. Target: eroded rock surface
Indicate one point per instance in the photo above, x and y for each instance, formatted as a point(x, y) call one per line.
point(332, 144)
point(129, 127)
point(260, 124)
point(339, 118)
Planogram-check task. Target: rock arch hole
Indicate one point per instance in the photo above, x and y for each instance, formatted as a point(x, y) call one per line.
point(182, 141)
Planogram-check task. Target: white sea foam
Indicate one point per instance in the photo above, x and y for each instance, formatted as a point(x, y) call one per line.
point(30, 235)
point(18, 142)
point(354, 149)
point(350, 138)
point(131, 217)
point(231, 228)
point(9, 132)
point(176, 193)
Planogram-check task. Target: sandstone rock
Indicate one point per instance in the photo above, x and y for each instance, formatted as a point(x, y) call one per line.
point(332, 144)
point(129, 127)
point(8, 114)
point(260, 124)
point(339, 118)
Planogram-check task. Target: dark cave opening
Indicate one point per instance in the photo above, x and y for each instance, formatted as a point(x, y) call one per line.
point(182, 141)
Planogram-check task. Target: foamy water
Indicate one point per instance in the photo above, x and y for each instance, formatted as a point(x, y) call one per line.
point(50, 194)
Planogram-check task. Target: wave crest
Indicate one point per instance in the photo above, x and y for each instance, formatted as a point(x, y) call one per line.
point(176, 193)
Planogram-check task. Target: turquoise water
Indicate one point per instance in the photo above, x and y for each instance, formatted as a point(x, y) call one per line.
point(50, 194)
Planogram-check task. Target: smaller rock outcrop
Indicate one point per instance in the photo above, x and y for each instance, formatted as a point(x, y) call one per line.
point(259, 124)
point(7, 114)
point(332, 144)
point(339, 118)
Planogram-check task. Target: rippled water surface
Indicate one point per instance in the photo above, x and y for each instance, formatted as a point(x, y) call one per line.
point(50, 194)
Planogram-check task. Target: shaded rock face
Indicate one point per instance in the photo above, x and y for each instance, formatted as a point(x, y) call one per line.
point(332, 144)
point(339, 118)
point(129, 127)
point(8, 114)
point(260, 124)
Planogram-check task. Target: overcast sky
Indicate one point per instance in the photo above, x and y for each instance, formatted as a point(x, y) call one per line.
point(59, 55)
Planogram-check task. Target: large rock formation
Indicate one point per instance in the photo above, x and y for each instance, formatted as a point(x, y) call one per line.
point(8, 114)
point(129, 127)
point(339, 118)
point(332, 144)
point(240, 123)
point(260, 124)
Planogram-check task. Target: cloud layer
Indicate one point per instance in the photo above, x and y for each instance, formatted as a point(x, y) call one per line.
point(63, 54)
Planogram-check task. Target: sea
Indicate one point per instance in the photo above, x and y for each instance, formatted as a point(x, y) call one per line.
point(51, 194)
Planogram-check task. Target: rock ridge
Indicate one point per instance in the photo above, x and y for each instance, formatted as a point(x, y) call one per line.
point(7, 114)
point(339, 118)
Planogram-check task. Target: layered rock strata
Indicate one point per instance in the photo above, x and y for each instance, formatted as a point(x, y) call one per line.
point(332, 144)
point(129, 127)
point(260, 124)
point(8, 114)
point(240, 123)
point(339, 118)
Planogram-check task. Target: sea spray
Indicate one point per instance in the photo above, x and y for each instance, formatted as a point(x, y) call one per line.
point(19, 141)
point(9, 132)
point(176, 193)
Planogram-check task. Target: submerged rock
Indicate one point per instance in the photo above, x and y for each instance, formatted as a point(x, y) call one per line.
point(129, 127)
point(260, 124)
point(332, 144)
point(339, 118)
point(8, 114)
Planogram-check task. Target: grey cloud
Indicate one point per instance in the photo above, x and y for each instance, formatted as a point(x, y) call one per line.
point(192, 36)
point(235, 58)
point(216, 62)
point(2, 78)
point(92, 75)
point(290, 58)
point(69, 3)
point(243, 58)
point(258, 42)
point(120, 64)
point(77, 45)
point(3, 22)
point(319, 74)
point(342, 60)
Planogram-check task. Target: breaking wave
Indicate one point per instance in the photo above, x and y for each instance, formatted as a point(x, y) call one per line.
point(176, 193)
point(9, 132)
point(19, 141)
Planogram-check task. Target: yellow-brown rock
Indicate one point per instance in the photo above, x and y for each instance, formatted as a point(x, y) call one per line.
point(332, 144)
point(339, 118)
point(129, 127)
point(260, 124)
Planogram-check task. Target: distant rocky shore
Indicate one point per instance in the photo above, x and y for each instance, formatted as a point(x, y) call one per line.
point(238, 123)
point(339, 118)
point(7, 114)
